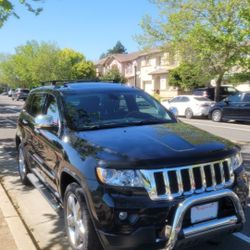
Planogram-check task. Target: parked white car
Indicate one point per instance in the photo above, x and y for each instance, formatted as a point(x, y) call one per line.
point(189, 105)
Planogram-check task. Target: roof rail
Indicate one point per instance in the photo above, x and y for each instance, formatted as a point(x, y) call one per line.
point(64, 82)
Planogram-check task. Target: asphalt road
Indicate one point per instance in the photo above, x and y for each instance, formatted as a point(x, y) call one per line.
point(46, 225)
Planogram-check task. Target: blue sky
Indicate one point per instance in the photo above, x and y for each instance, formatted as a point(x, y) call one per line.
point(88, 26)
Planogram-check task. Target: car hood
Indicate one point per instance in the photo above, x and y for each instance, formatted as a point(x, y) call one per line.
point(153, 145)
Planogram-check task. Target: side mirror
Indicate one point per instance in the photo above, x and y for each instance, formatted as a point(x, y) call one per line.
point(45, 122)
point(226, 101)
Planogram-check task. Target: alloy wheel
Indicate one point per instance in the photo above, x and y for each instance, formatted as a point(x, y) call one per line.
point(216, 116)
point(21, 164)
point(75, 225)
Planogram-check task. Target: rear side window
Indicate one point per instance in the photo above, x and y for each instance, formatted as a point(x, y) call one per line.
point(246, 98)
point(36, 107)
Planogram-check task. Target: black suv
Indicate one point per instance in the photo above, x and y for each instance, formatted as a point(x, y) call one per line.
point(125, 171)
point(235, 107)
point(209, 92)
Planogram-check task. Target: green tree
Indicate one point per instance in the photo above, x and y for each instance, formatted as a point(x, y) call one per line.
point(7, 9)
point(188, 76)
point(114, 75)
point(238, 77)
point(117, 49)
point(215, 31)
point(37, 62)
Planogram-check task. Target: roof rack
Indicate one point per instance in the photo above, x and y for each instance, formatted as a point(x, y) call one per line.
point(64, 82)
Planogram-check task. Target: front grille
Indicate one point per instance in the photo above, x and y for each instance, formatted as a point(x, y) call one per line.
point(175, 182)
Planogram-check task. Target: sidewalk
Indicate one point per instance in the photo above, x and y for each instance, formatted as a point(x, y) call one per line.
point(13, 234)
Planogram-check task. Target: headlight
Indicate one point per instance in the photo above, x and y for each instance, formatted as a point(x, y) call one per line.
point(236, 160)
point(121, 178)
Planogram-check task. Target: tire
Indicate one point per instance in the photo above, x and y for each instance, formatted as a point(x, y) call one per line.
point(22, 167)
point(189, 113)
point(78, 224)
point(216, 115)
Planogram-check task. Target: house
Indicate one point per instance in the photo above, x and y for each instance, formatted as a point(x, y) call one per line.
point(147, 70)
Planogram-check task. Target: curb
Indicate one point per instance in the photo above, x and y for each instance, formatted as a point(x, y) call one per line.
point(16, 227)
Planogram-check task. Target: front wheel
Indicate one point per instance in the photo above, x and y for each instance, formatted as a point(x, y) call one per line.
point(22, 167)
point(79, 227)
point(189, 113)
point(217, 115)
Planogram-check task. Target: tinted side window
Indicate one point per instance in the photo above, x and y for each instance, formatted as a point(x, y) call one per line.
point(37, 105)
point(52, 109)
point(234, 98)
point(184, 99)
point(246, 98)
point(175, 99)
point(28, 104)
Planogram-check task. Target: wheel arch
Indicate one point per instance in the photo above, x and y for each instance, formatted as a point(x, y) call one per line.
point(66, 178)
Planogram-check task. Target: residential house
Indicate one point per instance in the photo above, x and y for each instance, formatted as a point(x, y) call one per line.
point(147, 70)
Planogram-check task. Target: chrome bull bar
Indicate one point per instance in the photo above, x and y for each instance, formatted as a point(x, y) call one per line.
point(203, 227)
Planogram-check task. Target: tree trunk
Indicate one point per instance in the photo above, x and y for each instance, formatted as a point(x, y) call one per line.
point(217, 89)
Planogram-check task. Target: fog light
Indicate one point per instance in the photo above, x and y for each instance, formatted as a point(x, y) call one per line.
point(123, 215)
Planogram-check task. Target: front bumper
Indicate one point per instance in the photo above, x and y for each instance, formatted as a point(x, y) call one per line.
point(176, 234)
point(164, 223)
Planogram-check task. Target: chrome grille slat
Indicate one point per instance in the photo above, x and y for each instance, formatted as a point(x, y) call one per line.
point(166, 180)
point(179, 180)
point(213, 178)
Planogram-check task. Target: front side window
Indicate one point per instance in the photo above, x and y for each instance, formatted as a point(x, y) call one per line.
point(52, 109)
point(37, 104)
point(175, 99)
point(113, 109)
point(234, 98)
point(184, 99)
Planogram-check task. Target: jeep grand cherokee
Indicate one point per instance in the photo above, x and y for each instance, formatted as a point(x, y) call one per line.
point(125, 171)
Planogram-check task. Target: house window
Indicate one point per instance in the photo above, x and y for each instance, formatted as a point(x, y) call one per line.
point(129, 69)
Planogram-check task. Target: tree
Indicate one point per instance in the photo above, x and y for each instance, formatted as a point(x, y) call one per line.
point(7, 9)
point(117, 49)
point(188, 76)
point(114, 75)
point(239, 77)
point(35, 62)
point(215, 31)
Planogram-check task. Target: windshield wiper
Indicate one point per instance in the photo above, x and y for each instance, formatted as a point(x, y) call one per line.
point(148, 122)
point(126, 124)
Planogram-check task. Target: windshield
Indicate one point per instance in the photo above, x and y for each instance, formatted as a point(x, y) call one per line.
point(113, 109)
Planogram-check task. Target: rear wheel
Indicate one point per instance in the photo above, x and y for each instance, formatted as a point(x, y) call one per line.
point(22, 167)
point(189, 113)
point(79, 227)
point(217, 115)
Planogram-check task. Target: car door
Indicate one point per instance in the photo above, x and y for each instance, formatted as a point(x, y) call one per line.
point(245, 106)
point(49, 140)
point(233, 108)
point(35, 147)
point(184, 103)
point(175, 105)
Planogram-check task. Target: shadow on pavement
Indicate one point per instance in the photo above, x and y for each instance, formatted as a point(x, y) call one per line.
point(8, 122)
point(60, 240)
point(6, 108)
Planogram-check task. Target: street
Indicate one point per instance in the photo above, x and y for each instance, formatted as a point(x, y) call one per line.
point(45, 225)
